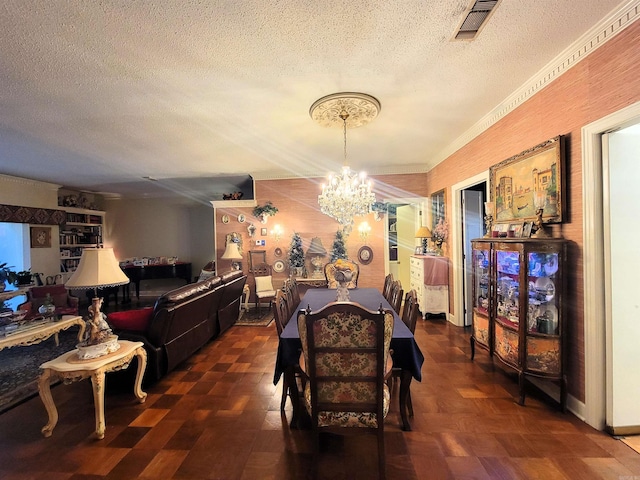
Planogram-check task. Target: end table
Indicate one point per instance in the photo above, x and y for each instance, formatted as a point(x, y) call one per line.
point(70, 368)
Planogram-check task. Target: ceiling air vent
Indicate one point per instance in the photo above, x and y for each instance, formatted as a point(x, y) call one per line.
point(475, 18)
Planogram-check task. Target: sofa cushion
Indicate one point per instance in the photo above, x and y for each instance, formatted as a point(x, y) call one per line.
point(135, 320)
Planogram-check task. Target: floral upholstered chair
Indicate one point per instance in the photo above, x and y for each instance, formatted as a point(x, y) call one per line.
point(330, 270)
point(346, 355)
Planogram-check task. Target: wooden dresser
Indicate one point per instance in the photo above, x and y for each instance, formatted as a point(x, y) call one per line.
point(430, 280)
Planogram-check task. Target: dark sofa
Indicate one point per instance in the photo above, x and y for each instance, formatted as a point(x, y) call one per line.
point(182, 321)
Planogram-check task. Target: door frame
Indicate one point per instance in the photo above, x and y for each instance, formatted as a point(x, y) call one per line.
point(421, 204)
point(457, 262)
point(593, 410)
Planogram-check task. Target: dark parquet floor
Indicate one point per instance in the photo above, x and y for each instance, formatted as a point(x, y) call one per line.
point(218, 417)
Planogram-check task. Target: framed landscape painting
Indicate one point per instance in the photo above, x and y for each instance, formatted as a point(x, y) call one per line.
point(515, 182)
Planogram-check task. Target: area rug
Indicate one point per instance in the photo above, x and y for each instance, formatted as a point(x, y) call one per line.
point(19, 367)
point(251, 318)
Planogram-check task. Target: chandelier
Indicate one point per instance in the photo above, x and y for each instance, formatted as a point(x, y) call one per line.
point(347, 194)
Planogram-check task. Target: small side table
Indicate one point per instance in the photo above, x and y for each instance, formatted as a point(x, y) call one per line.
point(71, 369)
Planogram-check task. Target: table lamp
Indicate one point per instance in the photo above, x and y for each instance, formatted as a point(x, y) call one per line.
point(316, 252)
point(232, 253)
point(98, 268)
point(424, 234)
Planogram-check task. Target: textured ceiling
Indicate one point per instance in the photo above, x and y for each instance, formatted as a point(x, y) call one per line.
point(100, 94)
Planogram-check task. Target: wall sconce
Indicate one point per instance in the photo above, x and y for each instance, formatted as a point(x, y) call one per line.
point(364, 229)
point(276, 233)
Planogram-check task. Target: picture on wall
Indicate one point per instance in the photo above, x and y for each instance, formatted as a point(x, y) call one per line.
point(40, 237)
point(528, 181)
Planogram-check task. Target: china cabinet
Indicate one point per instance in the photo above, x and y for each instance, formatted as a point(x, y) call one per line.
point(518, 290)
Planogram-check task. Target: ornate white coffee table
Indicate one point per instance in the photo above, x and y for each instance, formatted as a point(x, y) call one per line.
point(37, 332)
point(71, 369)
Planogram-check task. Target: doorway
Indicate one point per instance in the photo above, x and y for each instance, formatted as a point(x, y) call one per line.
point(621, 200)
point(472, 224)
point(595, 324)
point(473, 199)
point(400, 236)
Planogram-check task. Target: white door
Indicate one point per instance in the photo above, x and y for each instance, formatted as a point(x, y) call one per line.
point(406, 226)
point(472, 227)
point(621, 204)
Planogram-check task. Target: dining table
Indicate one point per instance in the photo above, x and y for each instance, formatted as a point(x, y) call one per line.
point(405, 351)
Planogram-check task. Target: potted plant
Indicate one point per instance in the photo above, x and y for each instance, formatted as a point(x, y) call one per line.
point(296, 255)
point(23, 277)
point(265, 211)
point(7, 275)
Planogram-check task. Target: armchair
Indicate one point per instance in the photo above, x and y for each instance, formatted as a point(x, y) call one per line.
point(65, 303)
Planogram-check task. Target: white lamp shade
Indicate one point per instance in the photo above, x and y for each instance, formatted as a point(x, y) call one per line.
point(231, 252)
point(98, 268)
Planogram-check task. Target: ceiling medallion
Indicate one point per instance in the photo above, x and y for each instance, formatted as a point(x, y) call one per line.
point(360, 107)
point(347, 194)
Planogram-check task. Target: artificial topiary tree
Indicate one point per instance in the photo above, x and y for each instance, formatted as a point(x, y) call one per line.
point(338, 249)
point(296, 254)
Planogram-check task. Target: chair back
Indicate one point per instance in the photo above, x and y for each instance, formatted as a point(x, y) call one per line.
point(281, 313)
point(287, 289)
point(345, 346)
point(263, 278)
point(330, 270)
point(396, 296)
point(386, 289)
point(410, 310)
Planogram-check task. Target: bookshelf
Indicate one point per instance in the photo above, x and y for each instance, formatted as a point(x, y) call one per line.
point(83, 228)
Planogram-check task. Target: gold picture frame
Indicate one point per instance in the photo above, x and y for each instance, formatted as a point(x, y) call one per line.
point(40, 237)
point(515, 181)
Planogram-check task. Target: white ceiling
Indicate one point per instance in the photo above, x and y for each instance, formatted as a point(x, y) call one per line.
point(99, 94)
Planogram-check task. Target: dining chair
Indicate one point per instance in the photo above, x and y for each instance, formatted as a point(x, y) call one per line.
point(263, 285)
point(281, 317)
point(410, 313)
point(386, 289)
point(287, 289)
point(345, 349)
point(396, 296)
point(330, 270)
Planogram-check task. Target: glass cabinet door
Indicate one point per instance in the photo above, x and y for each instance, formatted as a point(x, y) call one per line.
point(481, 293)
point(542, 315)
point(507, 305)
point(543, 351)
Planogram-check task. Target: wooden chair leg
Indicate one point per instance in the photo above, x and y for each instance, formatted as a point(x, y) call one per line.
point(381, 458)
point(285, 391)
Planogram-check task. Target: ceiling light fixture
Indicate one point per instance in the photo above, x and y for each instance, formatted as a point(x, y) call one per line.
point(348, 194)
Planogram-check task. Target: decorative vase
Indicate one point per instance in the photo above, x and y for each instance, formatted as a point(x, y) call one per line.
point(47, 310)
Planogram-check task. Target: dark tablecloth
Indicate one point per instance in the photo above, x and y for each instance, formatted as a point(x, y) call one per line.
point(406, 353)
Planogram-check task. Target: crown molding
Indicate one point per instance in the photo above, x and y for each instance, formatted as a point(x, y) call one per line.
point(29, 182)
point(610, 26)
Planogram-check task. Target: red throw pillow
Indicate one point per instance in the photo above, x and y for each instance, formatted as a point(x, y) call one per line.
point(136, 320)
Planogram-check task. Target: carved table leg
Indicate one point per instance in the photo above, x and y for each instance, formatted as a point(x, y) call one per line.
point(97, 381)
point(141, 353)
point(405, 383)
point(44, 388)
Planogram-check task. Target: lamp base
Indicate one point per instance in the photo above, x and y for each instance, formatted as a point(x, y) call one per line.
point(87, 352)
